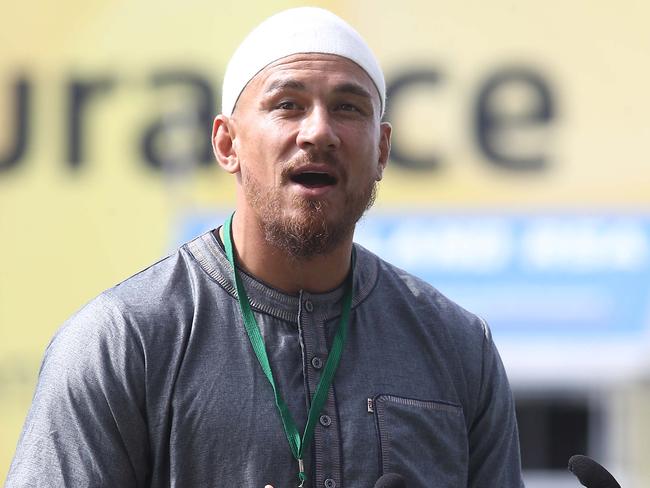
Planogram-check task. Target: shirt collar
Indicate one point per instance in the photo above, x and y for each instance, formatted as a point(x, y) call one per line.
point(211, 256)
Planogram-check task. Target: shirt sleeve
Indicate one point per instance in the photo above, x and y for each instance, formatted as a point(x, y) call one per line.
point(87, 423)
point(494, 456)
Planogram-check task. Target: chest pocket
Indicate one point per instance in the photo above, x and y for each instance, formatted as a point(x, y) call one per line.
point(425, 441)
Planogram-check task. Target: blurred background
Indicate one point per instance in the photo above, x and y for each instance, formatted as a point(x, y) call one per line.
point(519, 184)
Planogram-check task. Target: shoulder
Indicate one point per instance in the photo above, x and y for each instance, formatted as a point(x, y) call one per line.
point(451, 343)
point(398, 289)
point(96, 338)
point(130, 313)
point(152, 288)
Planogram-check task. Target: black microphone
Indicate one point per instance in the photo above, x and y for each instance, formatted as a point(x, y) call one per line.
point(590, 473)
point(391, 480)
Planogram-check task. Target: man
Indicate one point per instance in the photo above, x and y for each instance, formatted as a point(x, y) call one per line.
point(274, 351)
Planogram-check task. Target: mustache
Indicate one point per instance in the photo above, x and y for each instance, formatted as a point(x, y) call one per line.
point(304, 158)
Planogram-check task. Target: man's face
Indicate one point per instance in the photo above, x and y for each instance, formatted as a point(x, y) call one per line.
point(307, 135)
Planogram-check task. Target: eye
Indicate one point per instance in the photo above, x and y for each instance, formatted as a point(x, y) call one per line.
point(348, 107)
point(287, 105)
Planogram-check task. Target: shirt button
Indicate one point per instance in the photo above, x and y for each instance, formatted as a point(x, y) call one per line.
point(330, 483)
point(325, 420)
point(317, 362)
point(309, 306)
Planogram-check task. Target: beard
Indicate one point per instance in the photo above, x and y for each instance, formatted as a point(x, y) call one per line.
point(303, 228)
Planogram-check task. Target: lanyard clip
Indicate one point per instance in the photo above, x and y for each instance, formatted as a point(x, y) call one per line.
point(301, 473)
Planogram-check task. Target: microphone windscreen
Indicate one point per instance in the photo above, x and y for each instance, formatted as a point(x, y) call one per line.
point(391, 480)
point(590, 473)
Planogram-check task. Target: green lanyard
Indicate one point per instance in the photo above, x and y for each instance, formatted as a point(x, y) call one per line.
point(296, 443)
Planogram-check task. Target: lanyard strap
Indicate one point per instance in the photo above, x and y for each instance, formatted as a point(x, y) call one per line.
point(296, 443)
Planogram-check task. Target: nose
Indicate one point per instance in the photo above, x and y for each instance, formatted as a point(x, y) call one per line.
point(317, 131)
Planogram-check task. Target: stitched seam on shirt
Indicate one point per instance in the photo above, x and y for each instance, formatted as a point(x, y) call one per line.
point(427, 404)
point(282, 314)
point(337, 464)
point(384, 436)
point(215, 273)
point(210, 268)
point(366, 287)
point(115, 307)
point(481, 387)
point(486, 328)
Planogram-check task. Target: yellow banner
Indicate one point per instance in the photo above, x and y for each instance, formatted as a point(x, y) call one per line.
point(106, 109)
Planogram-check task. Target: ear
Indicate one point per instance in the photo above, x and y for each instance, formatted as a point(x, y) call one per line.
point(385, 131)
point(223, 144)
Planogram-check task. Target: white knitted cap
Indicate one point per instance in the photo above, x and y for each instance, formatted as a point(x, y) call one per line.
point(293, 31)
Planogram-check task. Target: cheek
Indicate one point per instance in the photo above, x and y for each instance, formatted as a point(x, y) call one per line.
point(270, 141)
point(362, 138)
point(258, 164)
point(365, 151)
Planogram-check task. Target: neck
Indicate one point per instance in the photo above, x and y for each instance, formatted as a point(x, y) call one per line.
point(271, 265)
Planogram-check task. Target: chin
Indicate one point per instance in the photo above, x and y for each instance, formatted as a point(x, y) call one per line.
point(304, 233)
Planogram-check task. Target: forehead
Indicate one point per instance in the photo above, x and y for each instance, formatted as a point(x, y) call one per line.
point(313, 69)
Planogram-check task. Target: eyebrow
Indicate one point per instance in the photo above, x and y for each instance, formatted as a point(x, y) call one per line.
point(353, 89)
point(286, 84)
point(291, 84)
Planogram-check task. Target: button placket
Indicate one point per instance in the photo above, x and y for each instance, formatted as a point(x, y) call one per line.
point(327, 440)
point(325, 446)
point(313, 351)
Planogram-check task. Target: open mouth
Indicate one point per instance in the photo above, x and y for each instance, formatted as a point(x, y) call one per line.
point(313, 179)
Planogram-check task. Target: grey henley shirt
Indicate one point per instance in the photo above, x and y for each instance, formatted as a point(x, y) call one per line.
point(154, 383)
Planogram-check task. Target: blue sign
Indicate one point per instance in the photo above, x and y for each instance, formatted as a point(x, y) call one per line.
point(528, 275)
point(559, 275)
